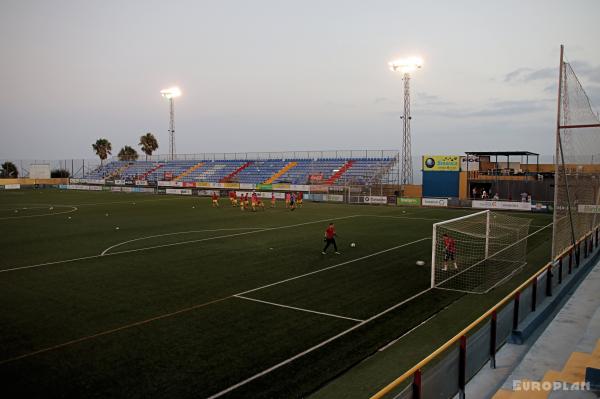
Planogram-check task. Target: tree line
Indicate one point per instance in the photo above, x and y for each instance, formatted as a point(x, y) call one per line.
point(103, 148)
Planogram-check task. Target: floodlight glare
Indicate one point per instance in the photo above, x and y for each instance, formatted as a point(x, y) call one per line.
point(406, 65)
point(171, 92)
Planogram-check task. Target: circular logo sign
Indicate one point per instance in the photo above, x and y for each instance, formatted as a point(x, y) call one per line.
point(430, 162)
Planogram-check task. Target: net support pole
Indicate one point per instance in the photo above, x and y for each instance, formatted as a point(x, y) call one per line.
point(556, 154)
point(433, 247)
point(487, 234)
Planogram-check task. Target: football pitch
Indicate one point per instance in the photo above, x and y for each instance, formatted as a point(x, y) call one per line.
point(130, 295)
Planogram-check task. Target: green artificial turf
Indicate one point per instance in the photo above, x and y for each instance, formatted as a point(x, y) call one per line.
point(157, 315)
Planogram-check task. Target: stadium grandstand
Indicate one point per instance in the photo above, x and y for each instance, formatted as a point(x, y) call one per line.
point(351, 167)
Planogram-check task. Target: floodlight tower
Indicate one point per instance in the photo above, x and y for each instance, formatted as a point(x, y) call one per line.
point(170, 94)
point(406, 66)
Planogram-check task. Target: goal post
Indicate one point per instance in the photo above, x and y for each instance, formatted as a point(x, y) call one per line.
point(476, 252)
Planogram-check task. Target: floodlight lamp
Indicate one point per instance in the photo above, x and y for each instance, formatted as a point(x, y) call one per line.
point(406, 65)
point(171, 92)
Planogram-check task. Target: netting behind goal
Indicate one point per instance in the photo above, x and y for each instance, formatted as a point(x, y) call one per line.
point(577, 188)
point(487, 248)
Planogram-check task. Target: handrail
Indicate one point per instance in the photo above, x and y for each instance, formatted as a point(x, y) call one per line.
point(394, 384)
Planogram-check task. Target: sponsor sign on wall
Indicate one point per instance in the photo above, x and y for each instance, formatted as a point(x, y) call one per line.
point(141, 183)
point(82, 187)
point(179, 191)
point(299, 187)
point(281, 186)
point(87, 181)
point(409, 201)
point(120, 182)
point(247, 186)
point(12, 186)
point(319, 188)
point(434, 201)
point(508, 205)
point(588, 208)
point(473, 163)
point(39, 171)
point(441, 163)
point(374, 199)
point(334, 198)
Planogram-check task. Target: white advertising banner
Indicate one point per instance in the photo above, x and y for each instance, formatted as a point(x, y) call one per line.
point(588, 208)
point(472, 163)
point(506, 205)
point(39, 171)
point(247, 186)
point(164, 183)
point(12, 186)
point(372, 199)
point(434, 202)
point(179, 191)
point(141, 183)
point(299, 187)
point(82, 187)
point(334, 198)
point(120, 182)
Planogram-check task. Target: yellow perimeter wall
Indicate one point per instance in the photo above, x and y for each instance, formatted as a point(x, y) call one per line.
point(26, 182)
point(412, 190)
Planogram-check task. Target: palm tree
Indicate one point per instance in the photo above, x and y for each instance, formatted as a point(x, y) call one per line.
point(103, 149)
point(9, 170)
point(128, 153)
point(148, 143)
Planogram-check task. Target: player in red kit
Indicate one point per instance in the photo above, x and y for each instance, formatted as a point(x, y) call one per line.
point(449, 251)
point(215, 200)
point(330, 239)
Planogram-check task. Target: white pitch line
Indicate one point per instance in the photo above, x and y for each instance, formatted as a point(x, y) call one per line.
point(195, 306)
point(167, 245)
point(402, 217)
point(227, 236)
point(176, 233)
point(333, 266)
point(315, 347)
point(408, 332)
point(296, 308)
point(74, 209)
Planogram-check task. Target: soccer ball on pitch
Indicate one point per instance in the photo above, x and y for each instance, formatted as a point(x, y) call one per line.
point(420, 263)
point(352, 245)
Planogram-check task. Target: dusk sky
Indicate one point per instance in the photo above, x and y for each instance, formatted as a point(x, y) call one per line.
point(283, 75)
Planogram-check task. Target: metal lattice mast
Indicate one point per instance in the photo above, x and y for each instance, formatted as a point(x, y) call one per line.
point(407, 170)
point(172, 129)
point(406, 66)
point(170, 94)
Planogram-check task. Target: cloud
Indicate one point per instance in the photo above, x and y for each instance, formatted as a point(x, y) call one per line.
point(585, 70)
point(381, 100)
point(582, 69)
point(529, 75)
point(500, 109)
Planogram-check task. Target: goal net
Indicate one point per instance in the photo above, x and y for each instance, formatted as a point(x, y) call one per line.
point(577, 169)
point(475, 253)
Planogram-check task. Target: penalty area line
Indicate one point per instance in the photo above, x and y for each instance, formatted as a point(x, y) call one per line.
point(296, 308)
point(168, 245)
point(315, 347)
point(194, 307)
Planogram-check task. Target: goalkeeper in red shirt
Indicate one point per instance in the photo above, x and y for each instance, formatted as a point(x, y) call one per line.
point(449, 251)
point(330, 239)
